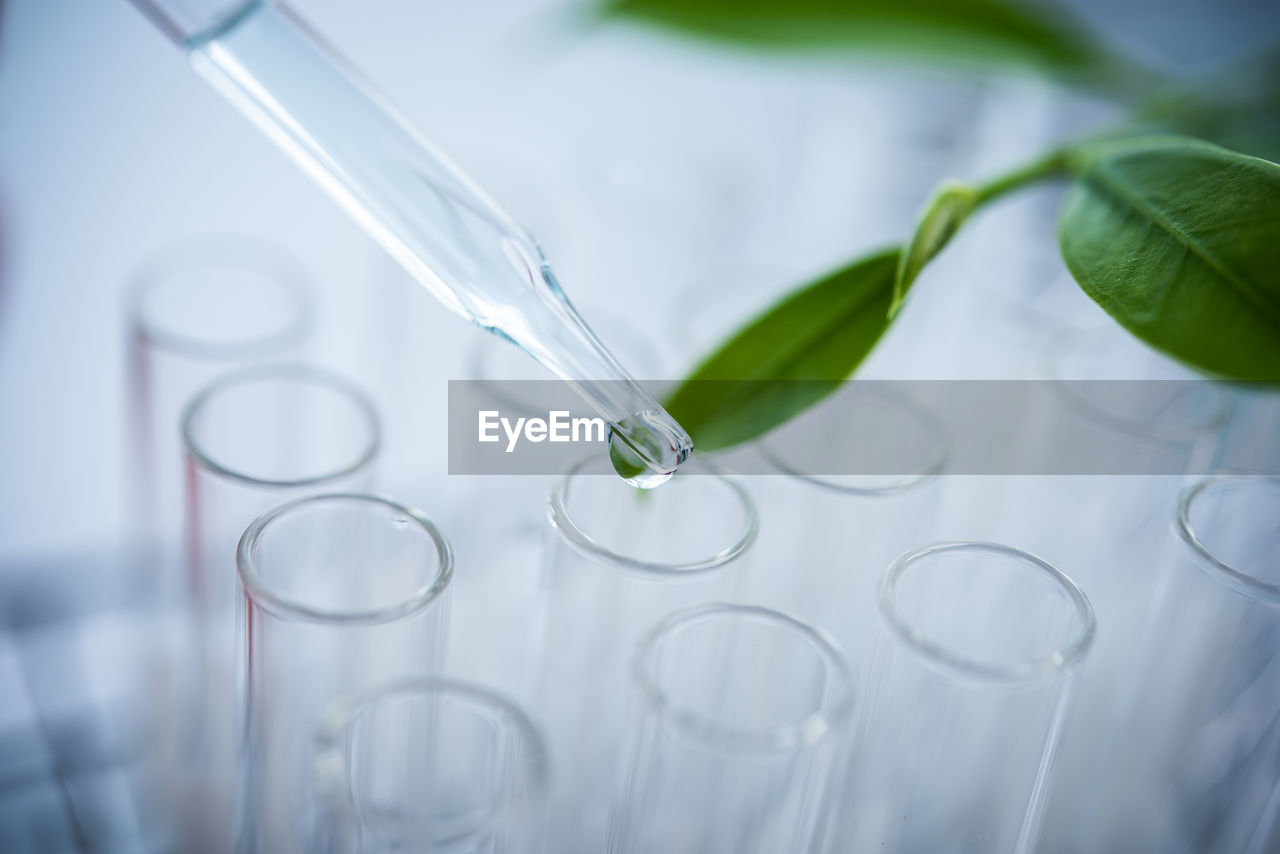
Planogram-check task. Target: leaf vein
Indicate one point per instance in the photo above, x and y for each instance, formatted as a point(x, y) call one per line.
point(1117, 189)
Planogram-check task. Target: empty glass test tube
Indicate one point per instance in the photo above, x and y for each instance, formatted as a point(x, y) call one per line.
point(735, 740)
point(617, 560)
point(430, 765)
point(1195, 762)
point(964, 702)
point(1140, 405)
point(856, 520)
point(254, 439)
point(338, 592)
point(196, 310)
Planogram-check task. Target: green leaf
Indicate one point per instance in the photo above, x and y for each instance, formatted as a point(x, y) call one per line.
point(788, 358)
point(1179, 241)
point(985, 30)
point(942, 218)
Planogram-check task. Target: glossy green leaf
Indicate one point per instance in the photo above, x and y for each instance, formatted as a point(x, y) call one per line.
point(1179, 241)
point(788, 358)
point(984, 30)
point(942, 218)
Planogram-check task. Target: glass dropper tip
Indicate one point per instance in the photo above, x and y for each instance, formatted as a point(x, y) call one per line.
point(647, 448)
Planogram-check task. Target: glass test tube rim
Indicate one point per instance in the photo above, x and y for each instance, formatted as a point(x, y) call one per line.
point(1057, 661)
point(562, 520)
point(835, 710)
point(262, 595)
point(1064, 388)
point(242, 251)
point(285, 371)
point(1217, 569)
point(927, 473)
point(535, 768)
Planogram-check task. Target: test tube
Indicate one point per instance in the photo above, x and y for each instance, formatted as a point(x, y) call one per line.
point(965, 699)
point(1141, 404)
point(490, 629)
point(739, 721)
point(1196, 764)
point(430, 765)
point(861, 468)
point(616, 561)
point(196, 310)
point(826, 570)
point(254, 438)
point(338, 592)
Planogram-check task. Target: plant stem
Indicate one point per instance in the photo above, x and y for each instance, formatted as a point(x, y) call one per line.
point(1052, 164)
point(951, 207)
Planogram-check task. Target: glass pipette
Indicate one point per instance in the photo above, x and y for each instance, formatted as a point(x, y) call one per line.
point(421, 208)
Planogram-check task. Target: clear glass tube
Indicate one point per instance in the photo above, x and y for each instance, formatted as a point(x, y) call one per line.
point(1176, 418)
point(1197, 758)
point(966, 696)
point(187, 20)
point(616, 561)
point(254, 439)
point(493, 599)
point(741, 714)
point(827, 569)
point(339, 592)
point(196, 310)
point(1177, 424)
point(430, 765)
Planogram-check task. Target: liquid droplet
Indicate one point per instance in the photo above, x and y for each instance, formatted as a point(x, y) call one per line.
point(647, 448)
